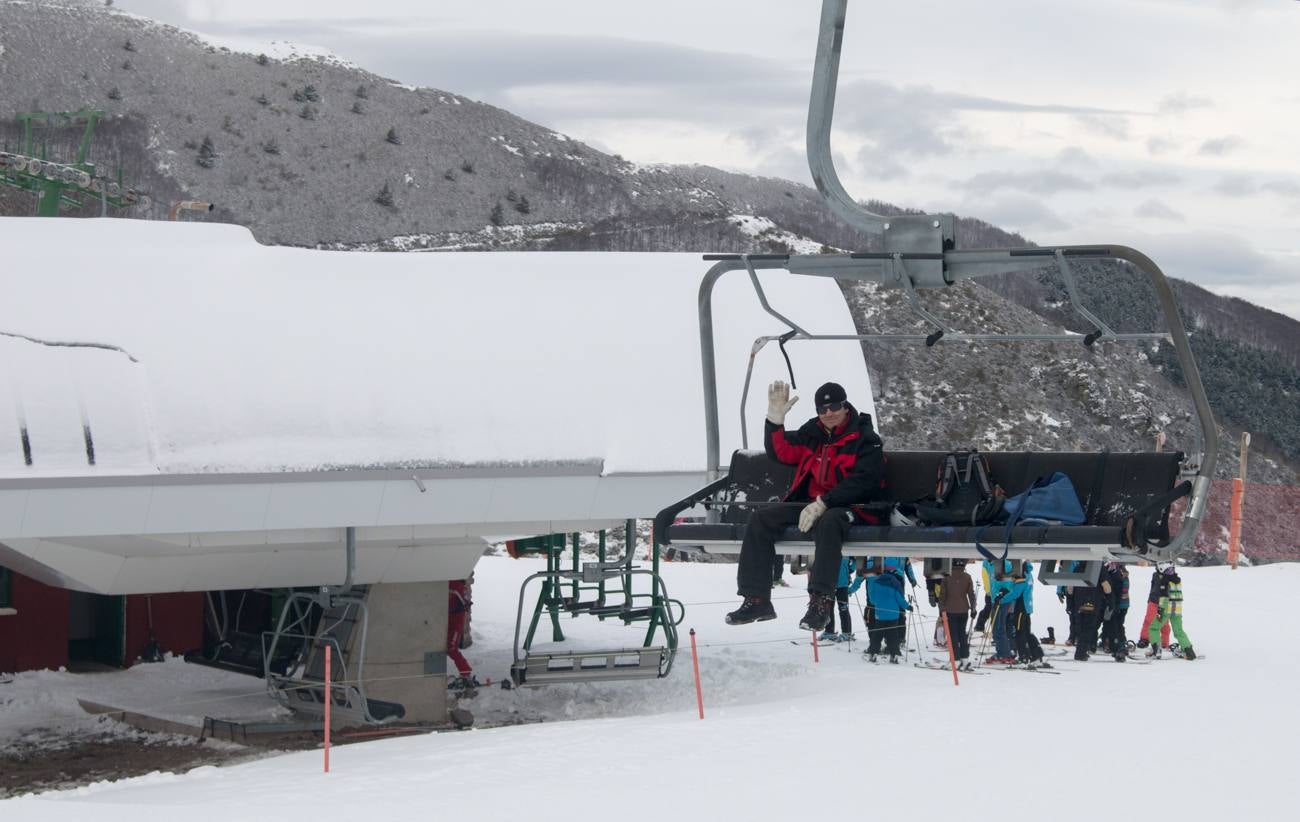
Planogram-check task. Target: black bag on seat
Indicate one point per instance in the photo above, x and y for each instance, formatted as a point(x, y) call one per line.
point(964, 492)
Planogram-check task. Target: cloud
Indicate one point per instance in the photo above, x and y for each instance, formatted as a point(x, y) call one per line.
point(1287, 187)
point(1104, 125)
point(1181, 102)
point(1220, 146)
point(1161, 145)
point(1236, 185)
point(1075, 156)
point(1041, 183)
point(1017, 213)
point(1218, 259)
point(1133, 180)
point(1157, 210)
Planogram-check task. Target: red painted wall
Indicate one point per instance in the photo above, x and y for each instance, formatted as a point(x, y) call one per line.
point(177, 623)
point(37, 636)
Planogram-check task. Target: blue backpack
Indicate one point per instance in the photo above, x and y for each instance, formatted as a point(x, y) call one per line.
point(1051, 500)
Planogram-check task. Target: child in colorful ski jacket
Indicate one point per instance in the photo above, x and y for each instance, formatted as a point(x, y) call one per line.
point(885, 591)
point(1169, 611)
point(1000, 588)
point(1153, 604)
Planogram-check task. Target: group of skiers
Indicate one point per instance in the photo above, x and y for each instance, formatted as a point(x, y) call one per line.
point(1096, 612)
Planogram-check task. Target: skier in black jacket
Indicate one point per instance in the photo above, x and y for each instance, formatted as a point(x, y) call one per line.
point(840, 465)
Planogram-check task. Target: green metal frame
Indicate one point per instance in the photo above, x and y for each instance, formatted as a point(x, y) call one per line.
point(64, 188)
point(549, 599)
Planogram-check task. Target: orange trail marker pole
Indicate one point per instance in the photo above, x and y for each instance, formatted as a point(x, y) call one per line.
point(817, 657)
point(329, 700)
point(695, 662)
point(1234, 530)
point(952, 658)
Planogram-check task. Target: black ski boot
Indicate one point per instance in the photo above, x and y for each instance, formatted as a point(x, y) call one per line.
point(818, 615)
point(1188, 653)
point(893, 659)
point(1142, 643)
point(753, 609)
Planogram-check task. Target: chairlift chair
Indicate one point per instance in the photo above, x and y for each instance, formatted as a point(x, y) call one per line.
point(649, 661)
point(1133, 492)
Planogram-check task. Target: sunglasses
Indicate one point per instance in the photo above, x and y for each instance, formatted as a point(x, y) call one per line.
point(830, 407)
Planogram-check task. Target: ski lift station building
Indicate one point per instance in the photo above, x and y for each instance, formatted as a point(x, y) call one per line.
point(191, 411)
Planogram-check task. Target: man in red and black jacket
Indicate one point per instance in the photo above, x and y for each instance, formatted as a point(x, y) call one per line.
point(840, 465)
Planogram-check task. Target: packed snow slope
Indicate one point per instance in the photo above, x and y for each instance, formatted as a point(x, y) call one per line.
point(785, 737)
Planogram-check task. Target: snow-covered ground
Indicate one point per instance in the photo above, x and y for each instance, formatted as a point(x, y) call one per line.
point(783, 737)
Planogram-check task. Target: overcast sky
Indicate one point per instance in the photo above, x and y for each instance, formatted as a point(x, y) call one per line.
point(1169, 125)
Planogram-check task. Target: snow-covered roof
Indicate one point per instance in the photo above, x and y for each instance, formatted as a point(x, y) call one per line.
point(245, 402)
point(233, 356)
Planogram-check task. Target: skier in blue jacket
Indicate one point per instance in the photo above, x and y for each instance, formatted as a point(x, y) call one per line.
point(1027, 646)
point(885, 592)
point(902, 565)
point(1001, 585)
point(842, 601)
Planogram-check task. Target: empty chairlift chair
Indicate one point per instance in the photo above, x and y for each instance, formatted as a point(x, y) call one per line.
point(648, 661)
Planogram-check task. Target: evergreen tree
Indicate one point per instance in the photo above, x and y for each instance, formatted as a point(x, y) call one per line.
point(207, 153)
point(311, 94)
point(523, 206)
point(467, 167)
point(498, 215)
point(308, 113)
point(271, 146)
point(262, 59)
point(393, 138)
point(362, 92)
point(114, 94)
point(385, 196)
point(357, 108)
point(128, 45)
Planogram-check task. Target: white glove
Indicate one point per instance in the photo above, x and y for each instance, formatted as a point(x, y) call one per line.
point(779, 402)
point(810, 514)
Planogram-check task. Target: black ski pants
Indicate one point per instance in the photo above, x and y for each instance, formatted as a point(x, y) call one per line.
point(1086, 641)
point(983, 617)
point(758, 548)
point(959, 640)
point(1073, 614)
point(891, 631)
point(1113, 638)
point(846, 618)
point(1028, 648)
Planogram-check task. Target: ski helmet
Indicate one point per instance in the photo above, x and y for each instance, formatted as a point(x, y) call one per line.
point(1164, 567)
point(898, 519)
